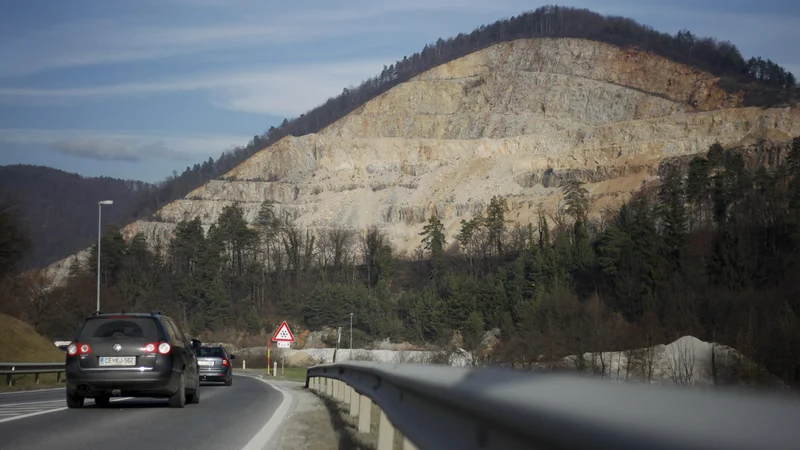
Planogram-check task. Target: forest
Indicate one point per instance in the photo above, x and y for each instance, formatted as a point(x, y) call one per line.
point(764, 82)
point(708, 251)
point(60, 208)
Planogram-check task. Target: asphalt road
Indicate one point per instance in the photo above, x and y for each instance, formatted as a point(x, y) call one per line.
point(227, 417)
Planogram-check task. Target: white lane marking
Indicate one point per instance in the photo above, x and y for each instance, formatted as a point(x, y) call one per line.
point(4, 410)
point(32, 391)
point(261, 439)
point(61, 400)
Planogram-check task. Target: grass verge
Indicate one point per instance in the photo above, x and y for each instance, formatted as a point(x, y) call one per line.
point(19, 342)
point(297, 374)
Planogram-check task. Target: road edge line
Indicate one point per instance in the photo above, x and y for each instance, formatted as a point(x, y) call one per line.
point(32, 391)
point(262, 438)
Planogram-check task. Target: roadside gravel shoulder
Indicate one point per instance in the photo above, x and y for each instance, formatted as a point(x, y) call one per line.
point(309, 424)
point(320, 423)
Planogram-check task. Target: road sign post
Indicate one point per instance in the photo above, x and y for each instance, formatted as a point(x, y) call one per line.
point(284, 338)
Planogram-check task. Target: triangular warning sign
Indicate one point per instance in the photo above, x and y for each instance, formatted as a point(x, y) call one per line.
point(284, 334)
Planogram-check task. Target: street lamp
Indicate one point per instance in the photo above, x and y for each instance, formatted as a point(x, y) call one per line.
point(99, 235)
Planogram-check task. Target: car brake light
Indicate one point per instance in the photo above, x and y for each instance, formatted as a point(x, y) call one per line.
point(224, 361)
point(162, 348)
point(72, 350)
point(84, 349)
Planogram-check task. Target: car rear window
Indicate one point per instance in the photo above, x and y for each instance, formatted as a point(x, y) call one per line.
point(210, 352)
point(121, 328)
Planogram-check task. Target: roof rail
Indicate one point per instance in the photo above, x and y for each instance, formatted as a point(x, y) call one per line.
point(156, 313)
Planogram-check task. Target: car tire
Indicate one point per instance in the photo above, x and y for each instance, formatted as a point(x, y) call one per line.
point(194, 397)
point(178, 399)
point(74, 401)
point(229, 381)
point(102, 402)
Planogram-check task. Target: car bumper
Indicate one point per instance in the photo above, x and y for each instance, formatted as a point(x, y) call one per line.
point(122, 383)
point(214, 375)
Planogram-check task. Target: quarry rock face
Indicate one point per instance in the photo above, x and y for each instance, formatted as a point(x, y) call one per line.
point(518, 120)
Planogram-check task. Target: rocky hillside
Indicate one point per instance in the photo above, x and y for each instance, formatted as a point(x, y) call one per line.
point(516, 119)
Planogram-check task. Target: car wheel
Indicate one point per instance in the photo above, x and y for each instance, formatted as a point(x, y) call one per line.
point(178, 399)
point(229, 381)
point(102, 401)
point(194, 397)
point(74, 401)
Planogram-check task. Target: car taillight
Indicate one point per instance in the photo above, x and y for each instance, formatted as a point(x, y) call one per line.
point(79, 349)
point(162, 347)
point(224, 361)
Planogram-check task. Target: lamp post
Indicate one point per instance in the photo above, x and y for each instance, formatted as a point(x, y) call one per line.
point(99, 235)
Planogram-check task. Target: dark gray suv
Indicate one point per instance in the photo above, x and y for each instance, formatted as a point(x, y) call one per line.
point(215, 363)
point(131, 355)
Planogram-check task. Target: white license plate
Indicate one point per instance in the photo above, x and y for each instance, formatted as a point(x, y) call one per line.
point(117, 361)
point(205, 363)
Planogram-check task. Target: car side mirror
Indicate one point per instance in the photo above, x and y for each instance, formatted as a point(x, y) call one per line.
point(196, 343)
point(233, 356)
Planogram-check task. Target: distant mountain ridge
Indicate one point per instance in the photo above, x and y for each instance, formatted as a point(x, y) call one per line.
point(761, 82)
point(60, 208)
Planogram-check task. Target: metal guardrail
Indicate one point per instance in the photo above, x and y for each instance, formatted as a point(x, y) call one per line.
point(442, 407)
point(11, 369)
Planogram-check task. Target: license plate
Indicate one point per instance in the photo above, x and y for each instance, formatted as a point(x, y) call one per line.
point(205, 363)
point(117, 361)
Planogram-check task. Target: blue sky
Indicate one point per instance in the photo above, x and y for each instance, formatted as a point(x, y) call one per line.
point(137, 89)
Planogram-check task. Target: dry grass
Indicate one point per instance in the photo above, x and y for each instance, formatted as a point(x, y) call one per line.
point(19, 342)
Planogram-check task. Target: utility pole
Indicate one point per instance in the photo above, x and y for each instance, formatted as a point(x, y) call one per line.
point(351, 335)
point(100, 235)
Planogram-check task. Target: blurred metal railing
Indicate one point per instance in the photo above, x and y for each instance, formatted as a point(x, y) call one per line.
point(25, 368)
point(442, 407)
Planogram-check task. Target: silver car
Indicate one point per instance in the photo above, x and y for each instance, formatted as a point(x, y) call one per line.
point(214, 363)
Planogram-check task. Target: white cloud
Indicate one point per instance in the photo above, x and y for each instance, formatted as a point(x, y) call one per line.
point(123, 146)
point(246, 25)
point(283, 91)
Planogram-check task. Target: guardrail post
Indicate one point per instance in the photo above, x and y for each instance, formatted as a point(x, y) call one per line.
point(408, 445)
point(36, 378)
point(385, 433)
point(58, 377)
point(328, 387)
point(364, 414)
point(355, 398)
point(8, 379)
point(348, 392)
point(336, 384)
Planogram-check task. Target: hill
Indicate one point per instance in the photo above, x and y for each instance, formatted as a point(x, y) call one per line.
point(760, 82)
point(19, 342)
point(517, 119)
point(567, 193)
point(60, 209)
